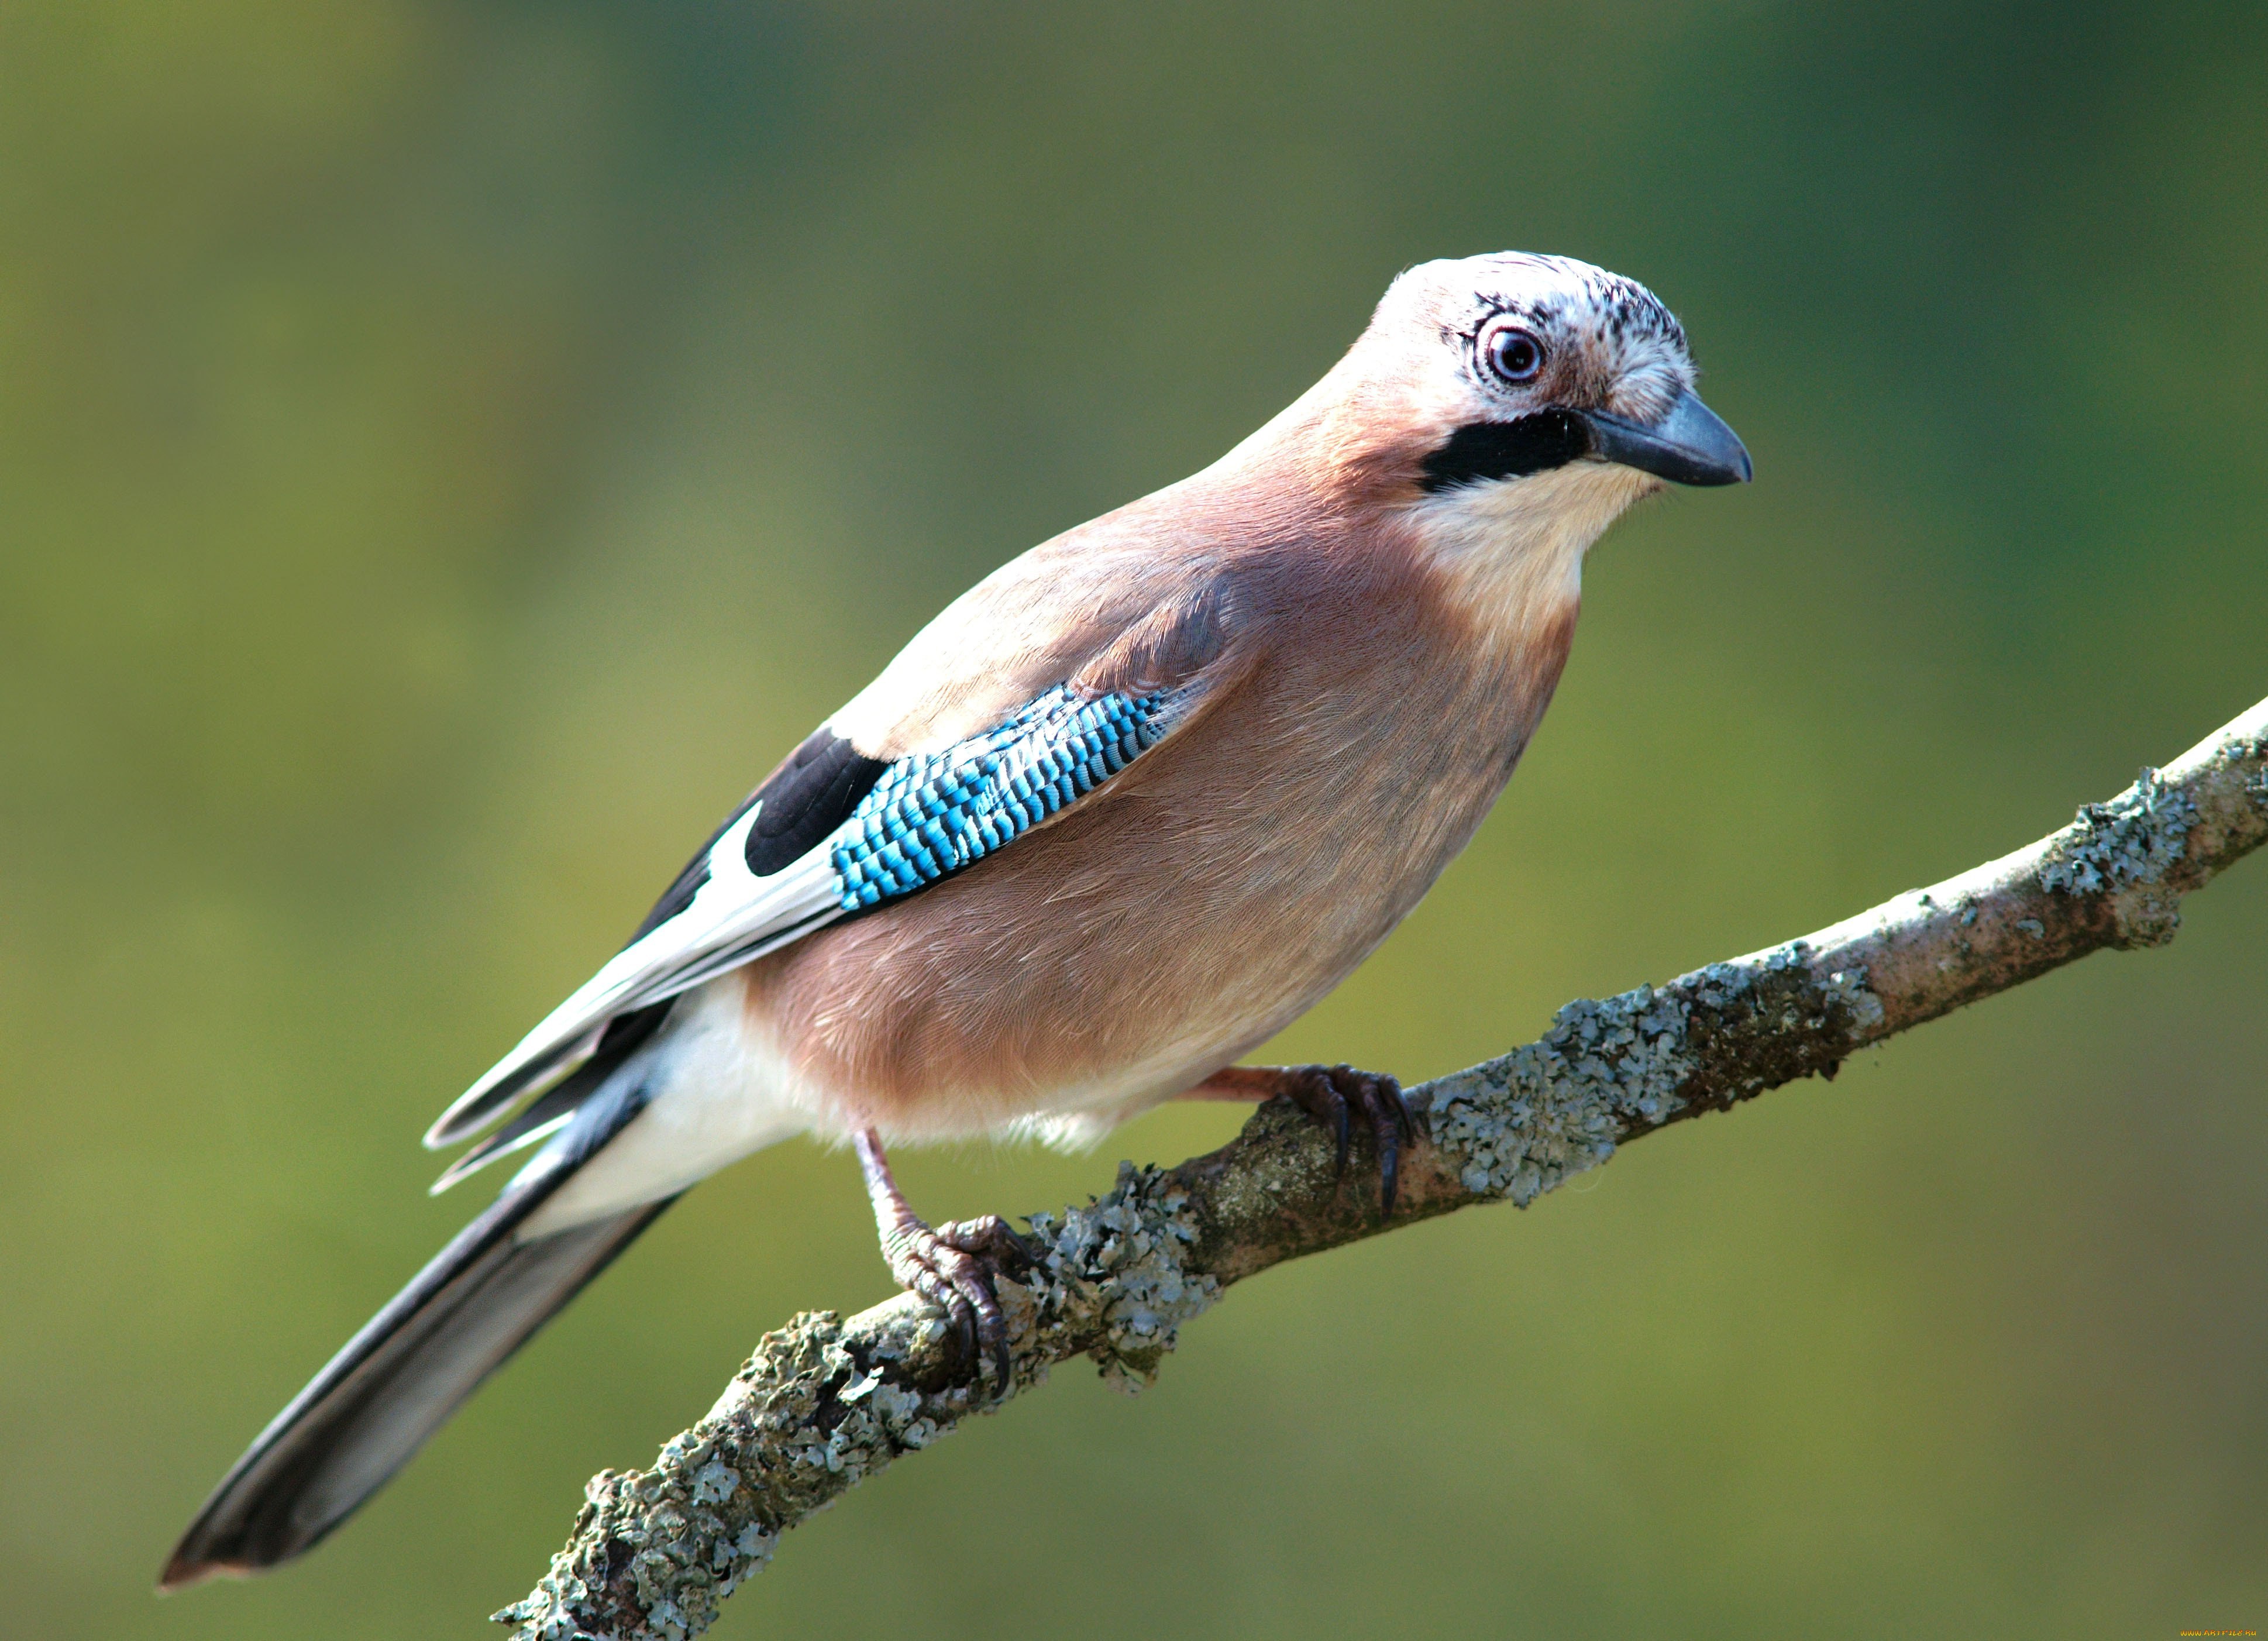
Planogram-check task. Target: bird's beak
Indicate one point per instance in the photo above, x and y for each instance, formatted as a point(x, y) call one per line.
point(1689, 445)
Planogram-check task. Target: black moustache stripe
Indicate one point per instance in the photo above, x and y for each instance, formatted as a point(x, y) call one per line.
point(1506, 450)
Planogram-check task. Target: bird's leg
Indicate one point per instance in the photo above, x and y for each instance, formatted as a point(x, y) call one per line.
point(953, 1266)
point(1331, 1094)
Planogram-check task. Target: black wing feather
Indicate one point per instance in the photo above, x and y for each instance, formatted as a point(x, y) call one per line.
point(808, 796)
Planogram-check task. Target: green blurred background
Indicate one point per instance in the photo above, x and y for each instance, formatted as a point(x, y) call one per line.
point(448, 451)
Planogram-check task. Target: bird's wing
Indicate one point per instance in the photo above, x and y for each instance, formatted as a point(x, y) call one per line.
point(835, 831)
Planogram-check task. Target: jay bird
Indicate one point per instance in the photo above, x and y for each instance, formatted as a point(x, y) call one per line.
point(1124, 810)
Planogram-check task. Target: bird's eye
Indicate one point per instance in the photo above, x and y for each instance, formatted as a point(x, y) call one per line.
point(1514, 354)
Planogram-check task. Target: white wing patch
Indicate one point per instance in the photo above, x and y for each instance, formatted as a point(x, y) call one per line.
point(733, 918)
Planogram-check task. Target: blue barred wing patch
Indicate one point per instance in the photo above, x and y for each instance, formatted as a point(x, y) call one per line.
point(929, 816)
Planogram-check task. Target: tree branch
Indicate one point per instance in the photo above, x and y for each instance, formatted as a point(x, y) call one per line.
point(824, 1403)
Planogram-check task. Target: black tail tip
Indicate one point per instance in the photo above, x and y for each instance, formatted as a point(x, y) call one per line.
point(186, 1568)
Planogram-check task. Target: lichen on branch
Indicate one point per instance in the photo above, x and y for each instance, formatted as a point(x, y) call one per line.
point(823, 1403)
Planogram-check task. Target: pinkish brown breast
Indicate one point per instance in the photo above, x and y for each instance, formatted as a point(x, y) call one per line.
point(1210, 894)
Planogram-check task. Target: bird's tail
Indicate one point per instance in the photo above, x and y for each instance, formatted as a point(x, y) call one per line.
point(411, 1366)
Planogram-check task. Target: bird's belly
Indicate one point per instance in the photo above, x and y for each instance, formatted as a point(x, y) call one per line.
point(1115, 958)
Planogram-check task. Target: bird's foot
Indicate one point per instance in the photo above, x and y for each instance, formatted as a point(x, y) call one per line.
point(954, 1266)
point(1335, 1094)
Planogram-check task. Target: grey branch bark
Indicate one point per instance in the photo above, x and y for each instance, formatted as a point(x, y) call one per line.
point(824, 1402)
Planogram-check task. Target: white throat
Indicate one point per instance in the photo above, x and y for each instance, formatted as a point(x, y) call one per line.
point(1512, 550)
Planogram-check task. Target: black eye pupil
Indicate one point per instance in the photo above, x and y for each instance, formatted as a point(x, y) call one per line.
point(1516, 355)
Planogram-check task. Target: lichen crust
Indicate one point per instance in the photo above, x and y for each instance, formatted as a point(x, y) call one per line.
point(813, 1412)
point(1522, 1123)
point(2135, 838)
point(2126, 847)
point(1527, 1120)
point(1115, 1273)
point(822, 1404)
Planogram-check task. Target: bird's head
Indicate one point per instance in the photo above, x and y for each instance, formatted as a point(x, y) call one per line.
point(1511, 406)
point(1510, 365)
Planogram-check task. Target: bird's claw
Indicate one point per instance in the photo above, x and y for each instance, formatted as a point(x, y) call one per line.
point(1333, 1094)
point(954, 1267)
